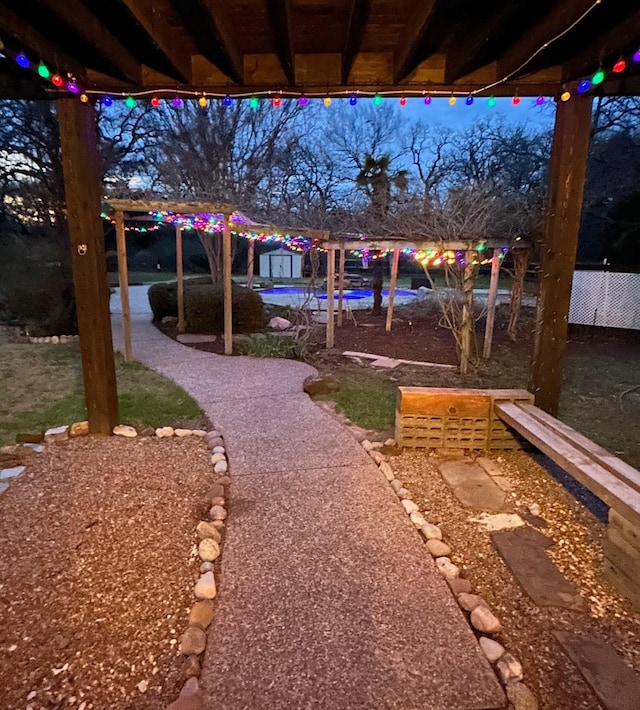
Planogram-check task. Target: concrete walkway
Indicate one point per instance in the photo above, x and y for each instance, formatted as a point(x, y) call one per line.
point(327, 597)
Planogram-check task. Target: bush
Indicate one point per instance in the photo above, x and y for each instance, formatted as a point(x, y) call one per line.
point(269, 345)
point(163, 299)
point(204, 306)
point(204, 309)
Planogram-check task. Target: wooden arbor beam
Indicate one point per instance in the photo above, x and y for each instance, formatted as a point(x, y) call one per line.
point(75, 14)
point(404, 59)
point(148, 17)
point(79, 144)
point(567, 174)
point(280, 18)
point(561, 15)
point(208, 22)
point(358, 16)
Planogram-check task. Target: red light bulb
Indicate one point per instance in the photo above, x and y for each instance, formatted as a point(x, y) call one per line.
point(57, 80)
point(276, 102)
point(155, 102)
point(403, 101)
point(515, 100)
point(619, 66)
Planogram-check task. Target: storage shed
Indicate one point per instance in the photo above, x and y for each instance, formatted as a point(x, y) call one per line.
point(281, 264)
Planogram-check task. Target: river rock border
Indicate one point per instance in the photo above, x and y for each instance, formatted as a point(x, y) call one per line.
point(53, 339)
point(481, 618)
point(209, 534)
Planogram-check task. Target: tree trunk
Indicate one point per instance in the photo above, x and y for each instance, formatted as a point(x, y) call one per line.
point(466, 326)
point(520, 264)
point(212, 245)
point(378, 278)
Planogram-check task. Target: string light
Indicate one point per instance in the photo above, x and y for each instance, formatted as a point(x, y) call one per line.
point(598, 77)
point(377, 100)
point(227, 101)
point(403, 101)
point(303, 100)
point(427, 100)
point(353, 100)
point(130, 102)
point(452, 101)
point(43, 71)
point(565, 95)
point(177, 101)
point(327, 101)
point(155, 102)
point(107, 101)
point(540, 101)
point(57, 80)
point(583, 86)
point(515, 101)
point(636, 56)
point(469, 100)
point(619, 66)
point(84, 98)
point(276, 102)
point(491, 101)
point(202, 101)
point(22, 60)
point(72, 87)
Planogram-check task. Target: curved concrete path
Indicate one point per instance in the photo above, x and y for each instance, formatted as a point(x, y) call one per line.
point(327, 597)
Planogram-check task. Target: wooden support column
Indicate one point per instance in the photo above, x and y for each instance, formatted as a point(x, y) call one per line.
point(331, 278)
point(250, 264)
point(466, 328)
point(228, 293)
point(180, 279)
point(392, 288)
point(79, 144)
point(341, 283)
point(567, 174)
point(491, 304)
point(123, 280)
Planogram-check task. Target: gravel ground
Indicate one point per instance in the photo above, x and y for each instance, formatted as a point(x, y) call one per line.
point(577, 553)
point(96, 573)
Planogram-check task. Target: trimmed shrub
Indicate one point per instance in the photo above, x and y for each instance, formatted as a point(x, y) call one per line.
point(204, 309)
point(163, 299)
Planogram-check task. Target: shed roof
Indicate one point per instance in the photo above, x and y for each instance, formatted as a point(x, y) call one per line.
point(322, 46)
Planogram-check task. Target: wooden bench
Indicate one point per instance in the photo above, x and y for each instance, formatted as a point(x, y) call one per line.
point(432, 417)
point(612, 480)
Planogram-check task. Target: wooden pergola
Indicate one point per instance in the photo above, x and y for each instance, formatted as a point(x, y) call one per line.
point(316, 48)
point(142, 210)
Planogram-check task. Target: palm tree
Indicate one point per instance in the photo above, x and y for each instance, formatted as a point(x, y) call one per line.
point(376, 181)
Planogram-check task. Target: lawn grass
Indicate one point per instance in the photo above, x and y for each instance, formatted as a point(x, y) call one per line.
point(42, 387)
point(367, 400)
point(138, 278)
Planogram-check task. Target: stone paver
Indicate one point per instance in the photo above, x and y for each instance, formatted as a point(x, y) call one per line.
point(326, 596)
point(472, 486)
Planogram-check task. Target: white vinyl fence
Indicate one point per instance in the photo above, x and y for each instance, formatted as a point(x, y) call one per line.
point(606, 299)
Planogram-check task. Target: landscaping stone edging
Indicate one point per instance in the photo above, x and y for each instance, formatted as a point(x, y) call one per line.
point(481, 618)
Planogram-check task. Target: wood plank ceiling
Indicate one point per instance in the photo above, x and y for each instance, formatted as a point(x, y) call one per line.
point(322, 46)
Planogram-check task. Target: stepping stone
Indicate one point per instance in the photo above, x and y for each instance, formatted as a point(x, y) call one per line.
point(8, 473)
point(616, 685)
point(524, 551)
point(472, 486)
point(190, 338)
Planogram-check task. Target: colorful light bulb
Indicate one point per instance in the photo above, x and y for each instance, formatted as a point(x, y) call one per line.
point(43, 71)
point(565, 96)
point(540, 101)
point(377, 100)
point(598, 77)
point(277, 101)
point(155, 102)
point(22, 60)
point(491, 101)
point(177, 102)
point(515, 101)
point(84, 98)
point(427, 100)
point(73, 87)
point(202, 101)
point(227, 101)
point(469, 100)
point(452, 101)
point(130, 102)
point(403, 101)
point(254, 102)
point(619, 66)
point(584, 86)
point(107, 101)
point(636, 56)
point(303, 100)
point(57, 80)
point(353, 100)
point(327, 101)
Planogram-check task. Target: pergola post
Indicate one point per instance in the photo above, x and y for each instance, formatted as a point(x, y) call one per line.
point(466, 329)
point(82, 180)
point(180, 279)
point(228, 293)
point(331, 277)
point(491, 304)
point(567, 174)
point(123, 280)
point(392, 288)
point(341, 282)
point(250, 264)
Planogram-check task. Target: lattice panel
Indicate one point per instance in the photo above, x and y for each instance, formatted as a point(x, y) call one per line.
point(605, 299)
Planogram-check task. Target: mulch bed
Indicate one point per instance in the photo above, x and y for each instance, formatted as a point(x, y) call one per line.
point(577, 552)
point(97, 564)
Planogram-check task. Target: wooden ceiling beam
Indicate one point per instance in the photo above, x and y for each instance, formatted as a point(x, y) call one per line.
point(31, 39)
point(148, 16)
point(608, 45)
point(404, 58)
point(75, 14)
point(358, 17)
point(208, 23)
point(558, 19)
point(280, 19)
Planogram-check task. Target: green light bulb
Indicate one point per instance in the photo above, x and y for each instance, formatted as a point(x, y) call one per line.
point(253, 102)
point(491, 102)
point(598, 77)
point(130, 102)
point(377, 100)
point(43, 71)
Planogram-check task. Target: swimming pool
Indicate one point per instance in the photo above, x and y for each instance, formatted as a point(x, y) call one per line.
point(357, 298)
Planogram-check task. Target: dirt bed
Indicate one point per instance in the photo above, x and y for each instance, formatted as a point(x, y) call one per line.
point(96, 573)
point(577, 552)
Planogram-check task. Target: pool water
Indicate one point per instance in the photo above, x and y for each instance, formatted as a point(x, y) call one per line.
point(348, 295)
